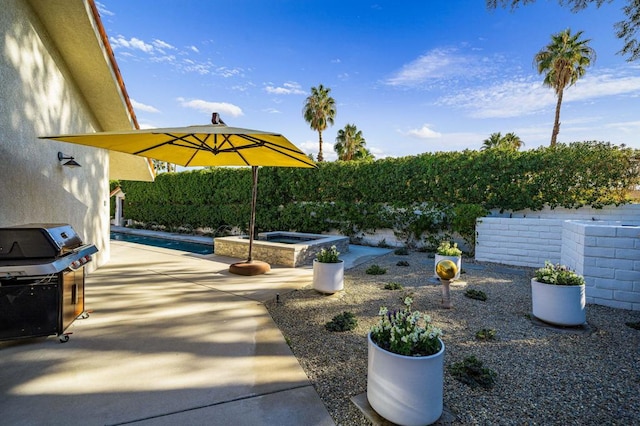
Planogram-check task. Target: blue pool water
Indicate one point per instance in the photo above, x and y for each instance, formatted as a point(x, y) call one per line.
point(163, 242)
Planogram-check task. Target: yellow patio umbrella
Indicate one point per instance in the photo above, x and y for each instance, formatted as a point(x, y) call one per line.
point(205, 145)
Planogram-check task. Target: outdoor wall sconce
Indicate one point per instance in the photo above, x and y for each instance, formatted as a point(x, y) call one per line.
point(71, 163)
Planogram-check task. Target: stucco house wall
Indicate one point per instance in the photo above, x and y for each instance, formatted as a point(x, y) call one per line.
point(39, 96)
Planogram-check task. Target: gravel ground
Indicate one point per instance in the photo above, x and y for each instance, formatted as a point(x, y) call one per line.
point(545, 376)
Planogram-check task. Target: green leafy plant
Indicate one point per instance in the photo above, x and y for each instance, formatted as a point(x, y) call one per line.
point(393, 286)
point(406, 332)
point(558, 274)
point(345, 321)
point(446, 248)
point(376, 269)
point(486, 334)
point(569, 175)
point(402, 263)
point(634, 325)
point(475, 294)
point(464, 222)
point(471, 372)
point(328, 255)
point(401, 251)
point(383, 243)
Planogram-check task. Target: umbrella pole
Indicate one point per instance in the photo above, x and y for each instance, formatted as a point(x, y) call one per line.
point(251, 267)
point(254, 198)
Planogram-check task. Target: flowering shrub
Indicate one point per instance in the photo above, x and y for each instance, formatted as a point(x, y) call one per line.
point(558, 274)
point(328, 256)
point(447, 249)
point(401, 332)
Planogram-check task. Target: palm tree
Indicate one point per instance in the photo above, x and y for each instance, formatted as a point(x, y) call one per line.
point(350, 144)
point(319, 111)
point(161, 166)
point(510, 141)
point(563, 61)
point(492, 141)
point(626, 30)
point(363, 154)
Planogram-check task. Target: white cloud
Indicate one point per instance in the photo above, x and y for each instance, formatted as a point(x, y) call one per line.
point(223, 108)
point(147, 126)
point(143, 107)
point(448, 68)
point(311, 147)
point(202, 68)
point(103, 10)
point(506, 99)
point(426, 66)
point(157, 52)
point(601, 85)
point(170, 59)
point(159, 44)
point(434, 65)
point(133, 44)
point(378, 153)
point(424, 133)
point(289, 88)
point(272, 111)
point(228, 72)
point(526, 95)
point(242, 87)
point(630, 127)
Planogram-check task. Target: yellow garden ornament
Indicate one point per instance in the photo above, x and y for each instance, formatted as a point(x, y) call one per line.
point(446, 269)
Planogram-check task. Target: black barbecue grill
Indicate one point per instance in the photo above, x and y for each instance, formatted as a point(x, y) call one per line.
point(41, 279)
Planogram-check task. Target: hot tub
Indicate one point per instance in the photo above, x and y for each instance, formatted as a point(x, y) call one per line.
point(291, 249)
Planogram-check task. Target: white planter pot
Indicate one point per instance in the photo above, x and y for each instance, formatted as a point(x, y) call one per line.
point(455, 259)
point(328, 277)
point(558, 304)
point(405, 390)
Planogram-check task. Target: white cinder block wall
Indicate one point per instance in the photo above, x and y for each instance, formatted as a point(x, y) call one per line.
point(628, 213)
point(601, 244)
point(518, 241)
point(607, 254)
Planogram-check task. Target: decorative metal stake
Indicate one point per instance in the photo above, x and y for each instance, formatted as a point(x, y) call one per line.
point(446, 294)
point(446, 271)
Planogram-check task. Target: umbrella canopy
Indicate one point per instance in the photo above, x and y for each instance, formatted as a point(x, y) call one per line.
point(205, 145)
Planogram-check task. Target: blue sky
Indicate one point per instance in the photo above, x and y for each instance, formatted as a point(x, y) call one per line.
point(414, 76)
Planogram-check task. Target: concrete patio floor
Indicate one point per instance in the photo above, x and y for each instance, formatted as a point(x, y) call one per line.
point(173, 338)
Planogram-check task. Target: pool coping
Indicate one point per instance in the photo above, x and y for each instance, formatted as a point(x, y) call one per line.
point(356, 255)
point(197, 239)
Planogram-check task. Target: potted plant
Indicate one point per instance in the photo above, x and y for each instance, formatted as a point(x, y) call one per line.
point(448, 251)
point(558, 295)
point(328, 271)
point(405, 367)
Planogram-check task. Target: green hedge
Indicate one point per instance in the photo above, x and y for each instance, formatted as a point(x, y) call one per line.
point(416, 196)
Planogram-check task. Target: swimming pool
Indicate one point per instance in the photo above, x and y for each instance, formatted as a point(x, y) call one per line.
point(163, 242)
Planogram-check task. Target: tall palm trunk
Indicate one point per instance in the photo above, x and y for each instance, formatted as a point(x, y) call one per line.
point(556, 124)
point(320, 156)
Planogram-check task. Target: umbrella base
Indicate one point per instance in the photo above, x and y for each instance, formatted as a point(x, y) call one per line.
point(251, 267)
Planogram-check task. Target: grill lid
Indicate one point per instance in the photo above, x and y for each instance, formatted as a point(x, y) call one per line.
point(37, 241)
